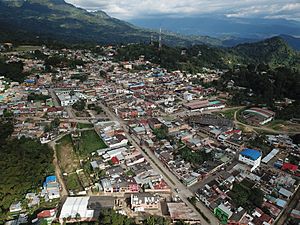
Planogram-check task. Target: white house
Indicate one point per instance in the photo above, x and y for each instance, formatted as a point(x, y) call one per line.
point(67, 100)
point(250, 157)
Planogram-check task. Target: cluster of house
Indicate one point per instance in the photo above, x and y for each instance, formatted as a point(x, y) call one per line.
point(50, 191)
point(153, 90)
point(126, 170)
point(87, 208)
point(154, 103)
point(187, 133)
point(277, 188)
point(285, 147)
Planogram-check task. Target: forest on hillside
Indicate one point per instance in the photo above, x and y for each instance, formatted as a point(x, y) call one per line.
point(25, 164)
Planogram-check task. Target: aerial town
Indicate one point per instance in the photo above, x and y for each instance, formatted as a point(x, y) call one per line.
point(146, 142)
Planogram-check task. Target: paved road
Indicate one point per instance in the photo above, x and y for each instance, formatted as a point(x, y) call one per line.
point(70, 112)
point(170, 178)
point(54, 97)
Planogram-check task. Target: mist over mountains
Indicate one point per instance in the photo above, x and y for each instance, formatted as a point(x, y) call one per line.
point(56, 20)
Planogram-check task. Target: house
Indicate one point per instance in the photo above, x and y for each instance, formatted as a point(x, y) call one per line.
point(189, 180)
point(284, 192)
point(33, 199)
point(250, 157)
point(116, 141)
point(51, 187)
point(15, 207)
point(48, 215)
point(67, 99)
point(154, 123)
point(144, 201)
point(223, 213)
point(289, 167)
point(106, 185)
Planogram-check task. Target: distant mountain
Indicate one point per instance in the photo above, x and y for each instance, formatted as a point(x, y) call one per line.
point(274, 51)
point(292, 41)
point(220, 26)
point(56, 20)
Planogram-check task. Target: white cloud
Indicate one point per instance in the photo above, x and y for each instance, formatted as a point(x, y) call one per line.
point(128, 9)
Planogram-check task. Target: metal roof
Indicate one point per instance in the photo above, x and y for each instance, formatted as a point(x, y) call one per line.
point(251, 153)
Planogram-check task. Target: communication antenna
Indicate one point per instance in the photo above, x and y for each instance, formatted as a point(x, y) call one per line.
point(159, 40)
point(151, 39)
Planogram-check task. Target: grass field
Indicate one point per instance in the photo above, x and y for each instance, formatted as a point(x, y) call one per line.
point(90, 142)
point(25, 48)
point(275, 124)
point(84, 125)
point(67, 158)
point(73, 183)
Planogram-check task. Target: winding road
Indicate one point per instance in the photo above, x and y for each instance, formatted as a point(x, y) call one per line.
point(263, 128)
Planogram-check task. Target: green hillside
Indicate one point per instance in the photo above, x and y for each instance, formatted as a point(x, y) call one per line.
point(56, 20)
point(273, 52)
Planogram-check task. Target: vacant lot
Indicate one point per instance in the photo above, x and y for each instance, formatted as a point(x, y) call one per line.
point(90, 142)
point(284, 126)
point(73, 182)
point(84, 125)
point(229, 114)
point(67, 159)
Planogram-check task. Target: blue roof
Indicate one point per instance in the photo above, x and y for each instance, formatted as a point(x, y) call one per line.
point(30, 81)
point(251, 153)
point(281, 203)
point(50, 179)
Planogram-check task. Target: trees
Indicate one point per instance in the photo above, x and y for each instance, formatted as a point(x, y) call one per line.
point(156, 220)
point(6, 129)
point(37, 97)
point(53, 125)
point(13, 71)
point(81, 77)
point(26, 162)
point(290, 112)
point(96, 108)
point(61, 61)
point(194, 157)
point(265, 85)
point(296, 139)
point(79, 105)
point(110, 217)
point(243, 194)
point(161, 133)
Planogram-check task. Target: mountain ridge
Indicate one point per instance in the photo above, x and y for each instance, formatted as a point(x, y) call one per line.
point(58, 20)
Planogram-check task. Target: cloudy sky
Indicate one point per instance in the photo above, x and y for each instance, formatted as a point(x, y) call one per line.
point(132, 9)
